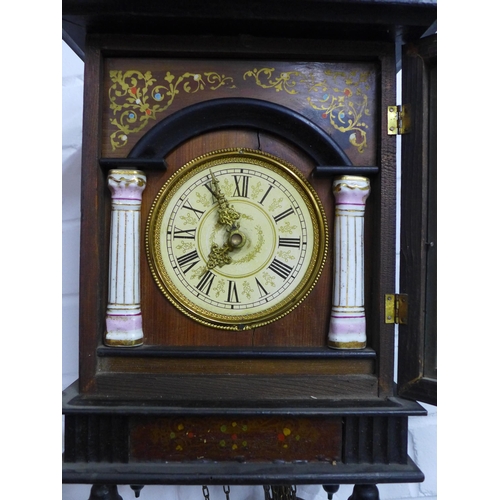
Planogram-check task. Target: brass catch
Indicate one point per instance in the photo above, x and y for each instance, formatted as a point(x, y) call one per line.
point(396, 308)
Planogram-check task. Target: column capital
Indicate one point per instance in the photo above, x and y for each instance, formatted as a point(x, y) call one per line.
point(351, 189)
point(126, 184)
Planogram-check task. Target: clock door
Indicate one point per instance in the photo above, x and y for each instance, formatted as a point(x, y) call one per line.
point(417, 370)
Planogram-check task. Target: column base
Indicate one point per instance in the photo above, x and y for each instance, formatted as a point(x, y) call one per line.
point(346, 345)
point(123, 342)
point(347, 332)
point(124, 331)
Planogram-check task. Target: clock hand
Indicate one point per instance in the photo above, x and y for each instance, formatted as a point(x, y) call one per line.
point(219, 256)
point(227, 214)
point(229, 217)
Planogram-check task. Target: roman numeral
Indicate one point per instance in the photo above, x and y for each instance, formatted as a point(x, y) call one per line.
point(282, 215)
point(208, 185)
point(280, 268)
point(241, 182)
point(289, 242)
point(188, 206)
point(232, 293)
point(187, 234)
point(262, 291)
point(206, 282)
point(265, 194)
point(188, 261)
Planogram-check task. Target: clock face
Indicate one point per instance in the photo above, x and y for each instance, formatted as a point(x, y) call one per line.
point(236, 238)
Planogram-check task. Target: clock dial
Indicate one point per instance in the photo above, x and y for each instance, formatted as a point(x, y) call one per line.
point(236, 238)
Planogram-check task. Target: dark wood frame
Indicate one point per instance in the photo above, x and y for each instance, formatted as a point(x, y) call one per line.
point(95, 198)
point(418, 223)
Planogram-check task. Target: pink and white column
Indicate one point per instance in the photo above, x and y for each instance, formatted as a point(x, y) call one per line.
point(348, 321)
point(123, 314)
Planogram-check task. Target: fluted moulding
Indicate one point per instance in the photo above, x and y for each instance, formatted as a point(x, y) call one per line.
point(123, 315)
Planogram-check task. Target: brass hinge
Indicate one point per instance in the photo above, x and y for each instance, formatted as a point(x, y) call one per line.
point(396, 308)
point(398, 119)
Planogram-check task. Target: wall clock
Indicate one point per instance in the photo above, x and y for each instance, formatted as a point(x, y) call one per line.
point(237, 286)
point(237, 238)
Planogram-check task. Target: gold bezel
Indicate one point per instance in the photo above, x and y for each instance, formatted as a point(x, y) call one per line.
point(184, 174)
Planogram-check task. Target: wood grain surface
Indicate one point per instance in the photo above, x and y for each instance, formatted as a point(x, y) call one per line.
point(370, 68)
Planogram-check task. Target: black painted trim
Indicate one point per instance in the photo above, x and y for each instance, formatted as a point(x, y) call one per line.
point(218, 114)
point(76, 403)
point(221, 473)
point(236, 353)
point(128, 163)
point(327, 171)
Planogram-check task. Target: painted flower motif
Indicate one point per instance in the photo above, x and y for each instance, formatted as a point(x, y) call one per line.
point(324, 115)
point(347, 92)
point(124, 94)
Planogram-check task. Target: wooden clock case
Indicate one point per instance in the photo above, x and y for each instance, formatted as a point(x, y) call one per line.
point(272, 405)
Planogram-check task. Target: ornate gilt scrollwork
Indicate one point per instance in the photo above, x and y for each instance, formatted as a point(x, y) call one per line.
point(136, 97)
point(339, 96)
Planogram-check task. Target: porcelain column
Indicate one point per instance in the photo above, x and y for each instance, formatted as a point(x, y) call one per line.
point(124, 318)
point(348, 322)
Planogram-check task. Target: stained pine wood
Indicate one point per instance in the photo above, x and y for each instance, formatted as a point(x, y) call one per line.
point(191, 366)
point(337, 20)
point(235, 390)
point(141, 92)
point(163, 324)
point(381, 225)
point(95, 208)
point(418, 224)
